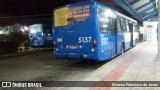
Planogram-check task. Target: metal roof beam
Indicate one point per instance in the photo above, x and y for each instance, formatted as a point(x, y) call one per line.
point(133, 2)
point(144, 12)
point(149, 15)
point(144, 5)
point(152, 16)
point(125, 5)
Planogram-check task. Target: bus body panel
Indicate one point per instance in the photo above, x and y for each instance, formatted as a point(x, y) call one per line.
point(106, 46)
point(120, 39)
point(135, 34)
point(127, 40)
point(106, 39)
point(77, 39)
point(47, 37)
point(135, 38)
point(48, 40)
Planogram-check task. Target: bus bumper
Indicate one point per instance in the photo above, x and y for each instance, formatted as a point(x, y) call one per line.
point(82, 56)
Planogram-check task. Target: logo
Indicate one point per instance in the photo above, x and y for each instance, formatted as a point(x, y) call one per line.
point(6, 84)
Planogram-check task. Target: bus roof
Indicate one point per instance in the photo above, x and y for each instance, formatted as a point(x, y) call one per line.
point(116, 12)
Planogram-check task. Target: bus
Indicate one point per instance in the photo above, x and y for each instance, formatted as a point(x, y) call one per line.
point(91, 31)
point(40, 36)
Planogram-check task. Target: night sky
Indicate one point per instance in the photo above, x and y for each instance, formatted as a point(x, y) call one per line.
point(29, 7)
point(9, 8)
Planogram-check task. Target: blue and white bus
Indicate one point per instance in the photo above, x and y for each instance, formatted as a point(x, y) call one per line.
point(91, 31)
point(40, 35)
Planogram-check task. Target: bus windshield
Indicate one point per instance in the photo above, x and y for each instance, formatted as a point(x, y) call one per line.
point(35, 28)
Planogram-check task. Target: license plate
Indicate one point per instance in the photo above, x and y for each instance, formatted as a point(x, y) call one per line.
point(73, 46)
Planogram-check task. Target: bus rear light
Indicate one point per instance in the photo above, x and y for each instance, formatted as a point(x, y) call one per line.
point(94, 45)
point(95, 41)
point(54, 44)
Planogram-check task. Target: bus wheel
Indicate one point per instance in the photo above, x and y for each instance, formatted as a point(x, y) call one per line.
point(122, 48)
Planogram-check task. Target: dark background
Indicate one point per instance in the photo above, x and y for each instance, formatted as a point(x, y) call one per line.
point(33, 11)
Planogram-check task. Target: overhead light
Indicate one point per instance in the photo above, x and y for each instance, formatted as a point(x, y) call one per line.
point(26, 28)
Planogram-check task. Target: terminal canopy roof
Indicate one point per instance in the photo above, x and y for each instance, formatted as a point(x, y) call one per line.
point(140, 9)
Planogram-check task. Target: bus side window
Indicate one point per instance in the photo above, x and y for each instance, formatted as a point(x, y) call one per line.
point(123, 24)
point(127, 25)
point(118, 24)
point(104, 21)
point(137, 27)
point(113, 25)
point(134, 27)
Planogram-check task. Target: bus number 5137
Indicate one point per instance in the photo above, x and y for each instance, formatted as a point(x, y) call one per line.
point(84, 39)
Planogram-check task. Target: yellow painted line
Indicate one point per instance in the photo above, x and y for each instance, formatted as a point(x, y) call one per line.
point(106, 64)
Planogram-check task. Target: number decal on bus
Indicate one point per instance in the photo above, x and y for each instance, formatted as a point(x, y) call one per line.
point(105, 41)
point(84, 39)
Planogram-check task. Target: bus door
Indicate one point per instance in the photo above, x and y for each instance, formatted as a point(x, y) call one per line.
point(114, 40)
point(131, 32)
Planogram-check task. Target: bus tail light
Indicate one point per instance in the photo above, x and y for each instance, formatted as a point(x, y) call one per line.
point(94, 43)
point(54, 44)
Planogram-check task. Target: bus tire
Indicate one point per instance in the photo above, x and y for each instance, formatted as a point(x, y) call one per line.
point(122, 48)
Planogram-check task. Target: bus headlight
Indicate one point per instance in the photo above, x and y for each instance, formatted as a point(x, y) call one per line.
point(92, 49)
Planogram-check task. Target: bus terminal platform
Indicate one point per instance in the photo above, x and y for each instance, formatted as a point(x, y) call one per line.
point(140, 63)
